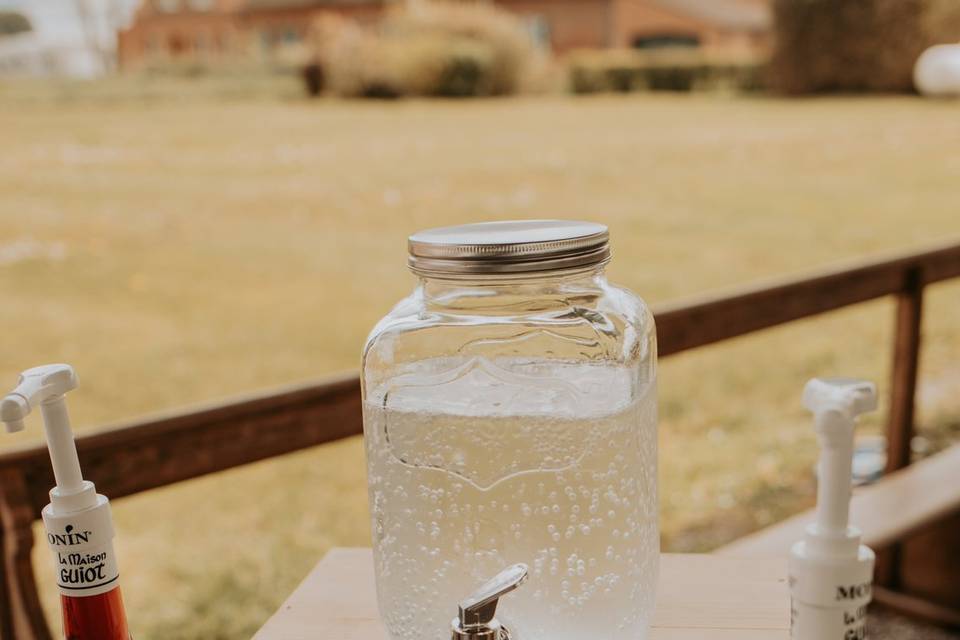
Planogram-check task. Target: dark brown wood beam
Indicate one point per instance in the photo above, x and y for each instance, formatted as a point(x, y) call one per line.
point(906, 364)
point(192, 443)
point(699, 322)
point(21, 611)
point(918, 608)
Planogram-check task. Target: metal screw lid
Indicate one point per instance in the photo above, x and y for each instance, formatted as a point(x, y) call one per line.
point(508, 247)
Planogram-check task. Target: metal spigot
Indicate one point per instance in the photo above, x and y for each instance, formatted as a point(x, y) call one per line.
point(477, 619)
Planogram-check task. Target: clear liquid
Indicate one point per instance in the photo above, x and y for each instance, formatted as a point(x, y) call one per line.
point(478, 472)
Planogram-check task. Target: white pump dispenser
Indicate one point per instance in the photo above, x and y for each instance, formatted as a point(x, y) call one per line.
point(831, 573)
point(78, 521)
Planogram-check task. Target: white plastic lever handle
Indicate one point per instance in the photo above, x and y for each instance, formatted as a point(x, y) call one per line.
point(36, 386)
point(848, 396)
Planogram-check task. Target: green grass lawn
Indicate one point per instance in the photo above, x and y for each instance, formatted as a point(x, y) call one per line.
point(180, 251)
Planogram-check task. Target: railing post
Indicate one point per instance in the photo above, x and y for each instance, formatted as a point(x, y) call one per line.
point(21, 615)
point(6, 606)
point(903, 388)
point(903, 382)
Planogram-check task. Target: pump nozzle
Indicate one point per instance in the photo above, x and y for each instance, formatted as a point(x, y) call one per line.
point(37, 385)
point(46, 386)
point(13, 409)
point(847, 396)
point(836, 403)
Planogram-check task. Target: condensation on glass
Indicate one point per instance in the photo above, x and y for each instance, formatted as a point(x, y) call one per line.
point(510, 417)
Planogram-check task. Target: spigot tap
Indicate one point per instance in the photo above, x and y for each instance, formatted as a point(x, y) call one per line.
point(477, 618)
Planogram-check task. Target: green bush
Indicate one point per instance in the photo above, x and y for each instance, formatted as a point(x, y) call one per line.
point(429, 49)
point(12, 22)
point(683, 71)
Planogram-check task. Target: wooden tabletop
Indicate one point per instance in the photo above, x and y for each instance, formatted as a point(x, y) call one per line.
point(701, 597)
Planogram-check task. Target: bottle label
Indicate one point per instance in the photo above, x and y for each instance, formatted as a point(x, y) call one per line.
point(845, 620)
point(82, 548)
point(86, 572)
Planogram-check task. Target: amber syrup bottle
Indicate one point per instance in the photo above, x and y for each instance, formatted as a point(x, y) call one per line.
point(100, 617)
point(78, 523)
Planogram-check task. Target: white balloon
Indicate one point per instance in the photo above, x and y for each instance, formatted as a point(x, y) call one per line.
point(937, 71)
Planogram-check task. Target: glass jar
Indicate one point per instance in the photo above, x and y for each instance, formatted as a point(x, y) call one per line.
point(510, 416)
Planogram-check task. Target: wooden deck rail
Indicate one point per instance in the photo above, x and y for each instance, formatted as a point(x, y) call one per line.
point(197, 442)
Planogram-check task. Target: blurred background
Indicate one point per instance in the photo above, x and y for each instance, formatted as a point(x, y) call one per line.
point(205, 198)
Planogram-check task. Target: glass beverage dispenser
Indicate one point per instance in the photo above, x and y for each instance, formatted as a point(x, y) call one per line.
point(510, 417)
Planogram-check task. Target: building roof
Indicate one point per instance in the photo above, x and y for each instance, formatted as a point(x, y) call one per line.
point(748, 15)
point(263, 5)
point(731, 14)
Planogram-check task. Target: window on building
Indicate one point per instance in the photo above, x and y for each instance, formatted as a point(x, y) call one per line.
point(266, 40)
point(154, 44)
point(539, 29)
point(201, 5)
point(176, 44)
point(666, 40)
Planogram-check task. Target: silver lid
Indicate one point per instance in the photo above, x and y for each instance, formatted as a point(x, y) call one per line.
point(509, 247)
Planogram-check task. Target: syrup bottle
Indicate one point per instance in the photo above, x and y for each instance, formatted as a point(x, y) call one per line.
point(79, 527)
point(831, 572)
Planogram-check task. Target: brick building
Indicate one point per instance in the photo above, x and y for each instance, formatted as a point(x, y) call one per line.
point(182, 29)
point(211, 29)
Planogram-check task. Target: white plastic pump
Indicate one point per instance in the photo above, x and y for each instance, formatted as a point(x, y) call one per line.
point(831, 573)
point(78, 521)
point(46, 386)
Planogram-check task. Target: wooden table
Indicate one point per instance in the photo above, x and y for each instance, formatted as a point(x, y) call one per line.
point(701, 597)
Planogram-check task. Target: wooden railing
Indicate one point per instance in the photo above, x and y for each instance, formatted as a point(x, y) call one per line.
point(144, 455)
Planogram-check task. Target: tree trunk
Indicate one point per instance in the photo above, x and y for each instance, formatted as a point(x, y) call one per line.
point(847, 45)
